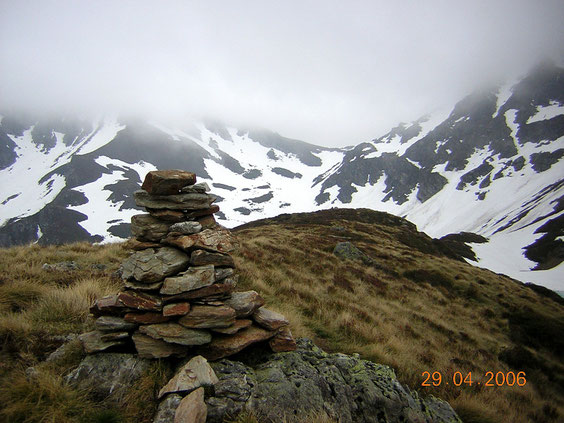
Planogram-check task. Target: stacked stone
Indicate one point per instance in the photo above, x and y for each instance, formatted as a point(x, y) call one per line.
point(178, 297)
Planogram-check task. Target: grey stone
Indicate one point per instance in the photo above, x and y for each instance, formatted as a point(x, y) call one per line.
point(64, 266)
point(269, 319)
point(109, 375)
point(167, 409)
point(347, 250)
point(152, 265)
point(148, 347)
point(186, 228)
point(290, 385)
point(200, 187)
point(193, 278)
point(222, 273)
point(245, 303)
point(202, 257)
point(145, 227)
point(114, 336)
point(174, 202)
point(113, 324)
point(93, 342)
point(176, 334)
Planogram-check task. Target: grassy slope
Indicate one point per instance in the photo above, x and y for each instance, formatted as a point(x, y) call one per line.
point(410, 309)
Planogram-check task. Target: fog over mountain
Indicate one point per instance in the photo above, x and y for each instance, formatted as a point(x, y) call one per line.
point(331, 73)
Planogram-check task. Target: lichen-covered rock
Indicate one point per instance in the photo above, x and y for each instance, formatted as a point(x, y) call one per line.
point(347, 250)
point(167, 409)
point(186, 228)
point(153, 265)
point(108, 375)
point(292, 384)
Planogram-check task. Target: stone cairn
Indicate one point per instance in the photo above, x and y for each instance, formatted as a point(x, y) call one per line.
point(179, 294)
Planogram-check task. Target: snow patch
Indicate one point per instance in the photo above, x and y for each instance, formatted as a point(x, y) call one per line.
point(547, 112)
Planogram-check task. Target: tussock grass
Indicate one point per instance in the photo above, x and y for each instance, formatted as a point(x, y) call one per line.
point(413, 308)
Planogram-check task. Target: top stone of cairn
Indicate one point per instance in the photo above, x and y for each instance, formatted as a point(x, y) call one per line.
point(167, 182)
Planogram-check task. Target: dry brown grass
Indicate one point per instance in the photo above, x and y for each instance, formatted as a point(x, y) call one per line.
point(413, 311)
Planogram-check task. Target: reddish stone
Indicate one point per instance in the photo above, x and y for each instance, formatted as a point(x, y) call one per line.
point(138, 245)
point(176, 309)
point(224, 346)
point(236, 327)
point(207, 222)
point(172, 216)
point(145, 318)
point(217, 290)
point(139, 301)
point(207, 317)
point(167, 182)
point(283, 341)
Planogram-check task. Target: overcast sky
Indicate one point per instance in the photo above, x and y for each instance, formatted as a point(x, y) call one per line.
point(327, 72)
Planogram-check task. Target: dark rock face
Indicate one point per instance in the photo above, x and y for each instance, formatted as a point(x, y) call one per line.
point(108, 375)
point(308, 380)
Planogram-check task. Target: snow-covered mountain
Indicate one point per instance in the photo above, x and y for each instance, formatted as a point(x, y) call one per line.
point(491, 165)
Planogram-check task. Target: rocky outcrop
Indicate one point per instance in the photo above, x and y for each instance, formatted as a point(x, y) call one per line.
point(179, 282)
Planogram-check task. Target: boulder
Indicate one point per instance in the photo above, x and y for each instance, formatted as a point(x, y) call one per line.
point(193, 278)
point(194, 374)
point(176, 334)
point(165, 182)
point(239, 324)
point(245, 303)
point(186, 228)
point(224, 346)
point(109, 375)
point(93, 342)
point(283, 341)
point(347, 250)
point(153, 265)
point(269, 319)
point(288, 386)
point(113, 324)
point(148, 347)
point(202, 257)
point(192, 408)
point(176, 309)
point(145, 227)
point(206, 317)
point(173, 202)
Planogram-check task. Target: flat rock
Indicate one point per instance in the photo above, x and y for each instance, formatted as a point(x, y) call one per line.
point(145, 227)
point(148, 347)
point(269, 319)
point(193, 214)
point(140, 286)
point(283, 341)
point(194, 374)
point(207, 222)
point(186, 228)
point(136, 245)
point(202, 257)
point(218, 240)
point(172, 216)
point(108, 376)
point(193, 278)
point(176, 309)
point(165, 182)
point(224, 346)
point(114, 336)
point(239, 324)
point(192, 408)
point(205, 317)
point(167, 409)
point(139, 301)
point(216, 290)
point(199, 187)
point(308, 380)
point(174, 202)
point(145, 318)
point(223, 272)
point(153, 265)
point(177, 334)
point(113, 324)
point(245, 303)
point(93, 342)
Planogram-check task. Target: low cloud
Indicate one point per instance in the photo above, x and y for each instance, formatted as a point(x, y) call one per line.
point(331, 73)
